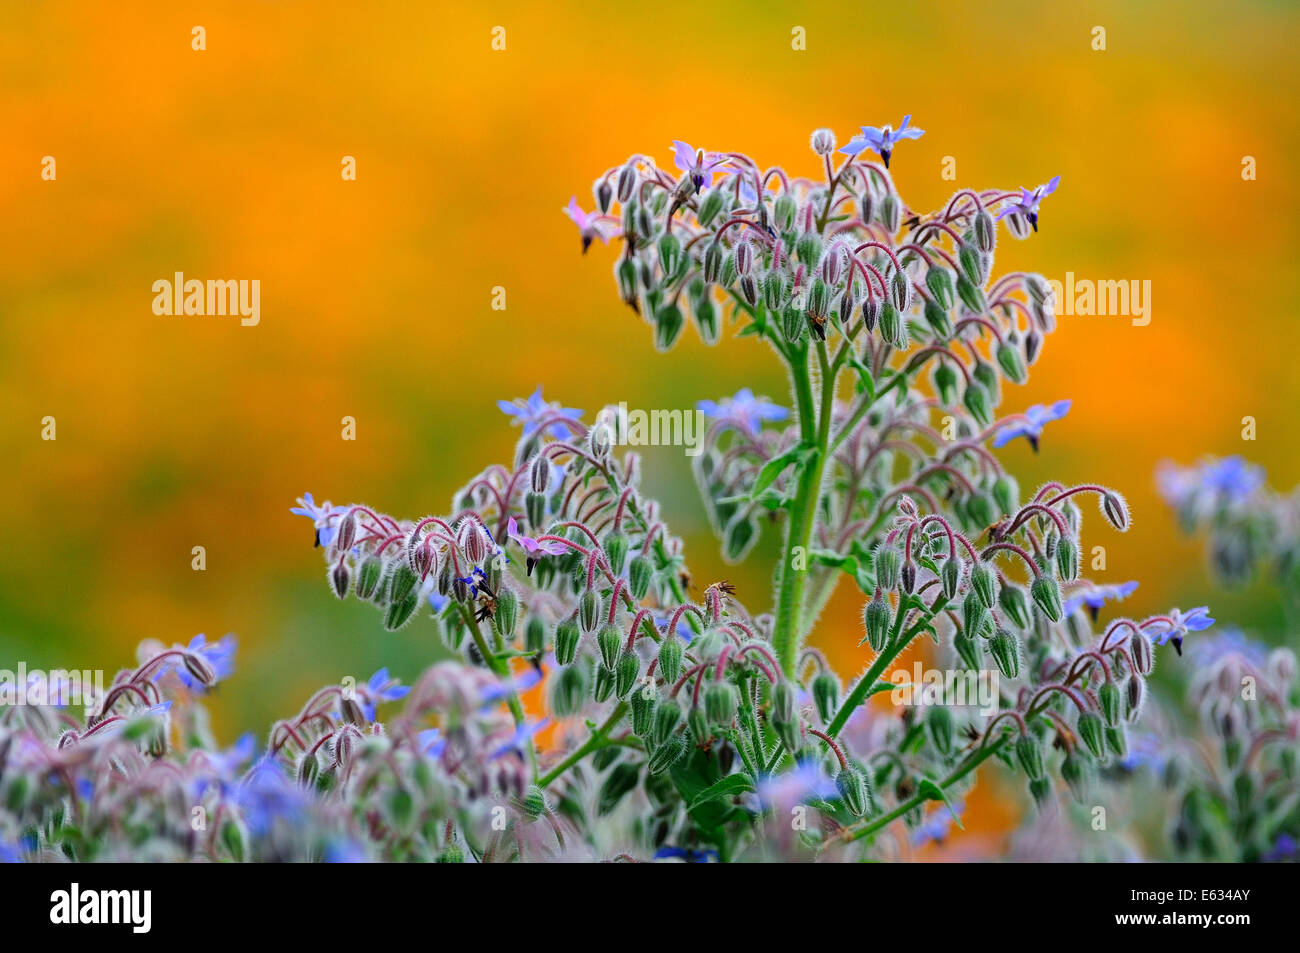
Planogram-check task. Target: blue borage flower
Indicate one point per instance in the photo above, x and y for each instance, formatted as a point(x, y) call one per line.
point(381, 688)
point(1144, 750)
point(1229, 480)
point(516, 741)
point(321, 516)
point(1181, 623)
point(219, 655)
point(806, 782)
point(882, 140)
point(266, 795)
point(1228, 642)
point(1028, 204)
point(517, 685)
point(701, 167)
point(1095, 597)
point(224, 767)
point(743, 411)
point(1031, 427)
point(532, 413)
point(689, 854)
point(937, 825)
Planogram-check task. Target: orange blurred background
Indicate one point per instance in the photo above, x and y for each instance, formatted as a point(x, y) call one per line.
point(175, 432)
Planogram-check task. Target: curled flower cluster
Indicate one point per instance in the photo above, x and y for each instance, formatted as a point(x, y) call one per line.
point(1249, 526)
point(682, 724)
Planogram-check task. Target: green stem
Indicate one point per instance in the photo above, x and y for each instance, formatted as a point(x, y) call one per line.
point(501, 667)
point(893, 647)
point(596, 741)
point(798, 535)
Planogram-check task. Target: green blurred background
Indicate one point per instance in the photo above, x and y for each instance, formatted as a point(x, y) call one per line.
point(175, 432)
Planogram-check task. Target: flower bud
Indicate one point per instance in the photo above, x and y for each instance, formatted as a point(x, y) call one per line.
point(668, 327)
point(616, 551)
point(968, 258)
point(984, 232)
point(969, 649)
point(604, 685)
point(308, 769)
point(945, 382)
point(642, 703)
point(566, 641)
point(400, 611)
point(854, 790)
point(950, 575)
point(982, 582)
point(826, 695)
point(199, 669)
point(971, 295)
point(1143, 656)
point(713, 262)
point(1005, 649)
point(720, 701)
point(589, 610)
point(1006, 494)
point(889, 212)
point(638, 576)
point(938, 722)
point(402, 582)
point(1013, 602)
point(535, 508)
point(1047, 596)
point(1115, 510)
point(976, 400)
point(1133, 695)
point(1117, 741)
point(339, 579)
point(889, 565)
point(974, 614)
point(907, 578)
point(626, 672)
point(1092, 731)
point(670, 657)
point(893, 330)
point(808, 250)
point(698, 724)
point(347, 534)
point(1037, 287)
point(1067, 559)
point(937, 318)
point(871, 306)
point(625, 271)
point(774, 290)
point(823, 142)
point(819, 300)
point(368, 576)
point(609, 640)
point(793, 324)
point(782, 701)
point(1041, 789)
point(506, 613)
point(1012, 363)
point(1030, 755)
point(666, 755)
point(710, 207)
point(784, 210)
point(900, 290)
point(876, 619)
point(626, 182)
point(668, 714)
point(1033, 345)
point(1109, 698)
point(939, 280)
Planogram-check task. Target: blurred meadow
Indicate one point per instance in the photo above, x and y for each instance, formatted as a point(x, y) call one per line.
point(176, 432)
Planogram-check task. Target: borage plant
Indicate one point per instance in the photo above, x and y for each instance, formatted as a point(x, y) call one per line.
point(684, 728)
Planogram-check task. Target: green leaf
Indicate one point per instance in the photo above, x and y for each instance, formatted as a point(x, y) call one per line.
point(933, 792)
point(729, 786)
point(773, 468)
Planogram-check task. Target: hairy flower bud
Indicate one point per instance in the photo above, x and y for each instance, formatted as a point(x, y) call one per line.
point(950, 575)
point(589, 610)
point(368, 576)
point(339, 580)
point(1134, 692)
point(604, 684)
point(566, 641)
point(668, 715)
point(347, 532)
point(744, 257)
point(609, 640)
point(823, 142)
point(784, 210)
point(945, 382)
point(976, 400)
point(400, 611)
point(626, 671)
point(626, 182)
point(1005, 649)
point(982, 582)
point(854, 790)
point(871, 306)
point(971, 295)
point(1030, 755)
point(985, 235)
point(1067, 559)
point(875, 618)
point(974, 614)
point(889, 564)
point(1014, 603)
point(1115, 510)
point(1092, 731)
point(1109, 698)
point(670, 657)
point(793, 324)
point(1046, 594)
point(720, 701)
point(710, 207)
point(669, 321)
point(642, 704)
point(893, 329)
point(568, 690)
point(889, 213)
point(506, 613)
point(666, 755)
point(900, 290)
point(938, 722)
point(639, 573)
point(937, 318)
point(938, 280)
point(1011, 362)
point(1143, 656)
point(826, 695)
point(969, 649)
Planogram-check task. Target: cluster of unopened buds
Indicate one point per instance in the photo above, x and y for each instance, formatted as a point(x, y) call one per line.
point(673, 722)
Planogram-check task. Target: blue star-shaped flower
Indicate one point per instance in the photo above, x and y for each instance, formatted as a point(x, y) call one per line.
point(1031, 427)
point(744, 410)
point(882, 140)
point(532, 412)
